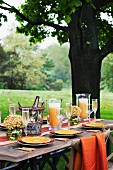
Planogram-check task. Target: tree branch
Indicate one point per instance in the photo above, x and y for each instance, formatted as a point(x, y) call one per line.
point(108, 48)
point(106, 11)
point(100, 3)
point(38, 21)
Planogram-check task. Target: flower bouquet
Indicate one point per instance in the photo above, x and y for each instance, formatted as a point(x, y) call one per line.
point(14, 125)
point(74, 119)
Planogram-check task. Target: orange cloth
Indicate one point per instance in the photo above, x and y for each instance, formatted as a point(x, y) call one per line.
point(78, 161)
point(89, 153)
point(101, 152)
point(94, 152)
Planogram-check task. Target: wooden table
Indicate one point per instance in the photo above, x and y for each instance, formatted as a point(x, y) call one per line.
point(18, 159)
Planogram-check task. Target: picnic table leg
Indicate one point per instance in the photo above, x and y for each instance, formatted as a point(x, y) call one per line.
point(34, 165)
point(108, 147)
point(2, 164)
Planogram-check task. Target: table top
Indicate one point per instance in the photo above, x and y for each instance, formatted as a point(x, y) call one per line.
point(10, 152)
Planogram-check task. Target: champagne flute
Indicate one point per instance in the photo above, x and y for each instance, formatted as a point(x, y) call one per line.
point(68, 113)
point(25, 118)
point(61, 117)
point(12, 109)
point(89, 111)
point(94, 107)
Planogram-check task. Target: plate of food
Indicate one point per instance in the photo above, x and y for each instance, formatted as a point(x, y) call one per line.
point(94, 125)
point(35, 141)
point(66, 132)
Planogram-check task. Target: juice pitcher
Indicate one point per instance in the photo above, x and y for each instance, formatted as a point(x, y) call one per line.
point(83, 101)
point(54, 114)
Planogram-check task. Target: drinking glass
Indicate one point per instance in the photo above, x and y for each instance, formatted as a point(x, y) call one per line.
point(61, 117)
point(25, 118)
point(89, 111)
point(68, 113)
point(12, 109)
point(94, 107)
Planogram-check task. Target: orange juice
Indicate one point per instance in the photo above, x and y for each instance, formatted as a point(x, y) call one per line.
point(83, 104)
point(53, 113)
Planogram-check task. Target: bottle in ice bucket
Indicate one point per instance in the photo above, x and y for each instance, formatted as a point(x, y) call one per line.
point(35, 105)
point(83, 102)
point(54, 114)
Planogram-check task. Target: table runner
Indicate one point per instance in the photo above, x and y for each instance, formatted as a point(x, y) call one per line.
point(4, 140)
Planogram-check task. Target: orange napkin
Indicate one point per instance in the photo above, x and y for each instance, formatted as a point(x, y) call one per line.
point(101, 152)
point(78, 161)
point(88, 153)
point(94, 152)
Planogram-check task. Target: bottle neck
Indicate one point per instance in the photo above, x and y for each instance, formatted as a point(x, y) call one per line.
point(35, 105)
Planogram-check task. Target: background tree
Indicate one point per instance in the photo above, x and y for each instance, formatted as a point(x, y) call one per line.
point(59, 54)
point(107, 73)
point(20, 62)
point(2, 59)
point(22, 70)
point(90, 37)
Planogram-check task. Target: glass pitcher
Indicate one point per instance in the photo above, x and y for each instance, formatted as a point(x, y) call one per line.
point(53, 118)
point(83, 101)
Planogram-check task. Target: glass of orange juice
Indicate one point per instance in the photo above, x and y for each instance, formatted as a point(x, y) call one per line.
point(54, 121)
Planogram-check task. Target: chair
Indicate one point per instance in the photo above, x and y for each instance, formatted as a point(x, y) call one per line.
point(110, 156)
point(79, 160)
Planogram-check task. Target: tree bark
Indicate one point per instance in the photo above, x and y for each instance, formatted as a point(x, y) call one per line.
point(84, 54)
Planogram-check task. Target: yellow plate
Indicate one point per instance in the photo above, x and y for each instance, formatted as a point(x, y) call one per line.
point(35, 140)
point(95, 124)
point(66, 132)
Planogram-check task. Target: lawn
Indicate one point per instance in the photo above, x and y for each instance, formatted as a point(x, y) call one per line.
point(106, 105)
point(27, 97)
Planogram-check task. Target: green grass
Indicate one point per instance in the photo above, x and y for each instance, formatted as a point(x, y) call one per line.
point(106, 105)
point(27, 97)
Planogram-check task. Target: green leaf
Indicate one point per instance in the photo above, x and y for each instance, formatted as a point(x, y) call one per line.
point(78, 3)
point(67, 18)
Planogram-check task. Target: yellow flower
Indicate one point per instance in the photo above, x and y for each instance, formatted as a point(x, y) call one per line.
point(75, 111)
point(12, 122)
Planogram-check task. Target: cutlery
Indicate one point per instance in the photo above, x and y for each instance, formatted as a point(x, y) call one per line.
point(61, 139)
point(44, 133)
point(93, 130)
point(26, 149)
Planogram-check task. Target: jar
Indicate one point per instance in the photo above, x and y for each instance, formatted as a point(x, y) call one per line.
point(83, 101)
point(53, 117)
point(14, 134)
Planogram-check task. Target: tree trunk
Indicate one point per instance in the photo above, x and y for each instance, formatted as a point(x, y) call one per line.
point(84, 54)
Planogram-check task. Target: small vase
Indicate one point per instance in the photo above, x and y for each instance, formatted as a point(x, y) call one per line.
point(14, 134)
point(74, 121)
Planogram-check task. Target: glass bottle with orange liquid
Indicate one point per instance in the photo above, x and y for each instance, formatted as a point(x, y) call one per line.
point(54, 114)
